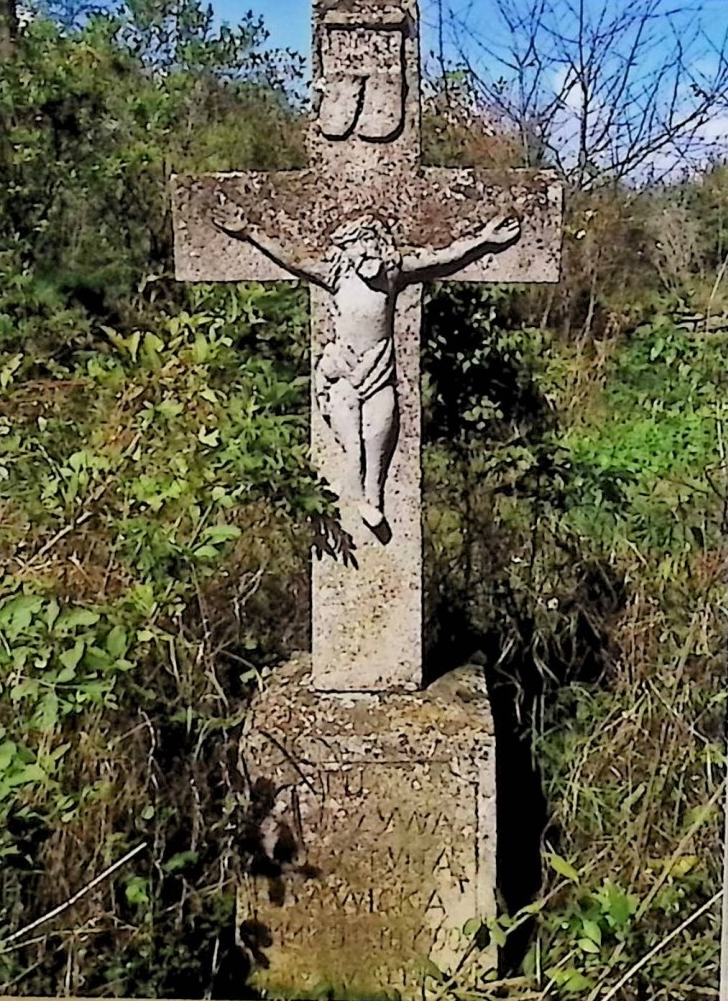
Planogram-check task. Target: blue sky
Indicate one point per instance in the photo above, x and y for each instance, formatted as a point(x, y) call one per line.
point(289, 20)
point(701, 26)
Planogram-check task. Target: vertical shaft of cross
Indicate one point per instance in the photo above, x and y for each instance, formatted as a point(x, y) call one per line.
point(367, 622)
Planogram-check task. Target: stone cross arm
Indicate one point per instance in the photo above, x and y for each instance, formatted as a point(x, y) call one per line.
point(427, 209)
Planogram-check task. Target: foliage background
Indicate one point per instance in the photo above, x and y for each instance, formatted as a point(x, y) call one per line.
point(157, 509)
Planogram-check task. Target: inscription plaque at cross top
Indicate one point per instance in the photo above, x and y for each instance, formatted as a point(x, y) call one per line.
point(366, 225)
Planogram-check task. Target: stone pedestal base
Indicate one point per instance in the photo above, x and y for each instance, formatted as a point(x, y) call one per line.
point(372, 829)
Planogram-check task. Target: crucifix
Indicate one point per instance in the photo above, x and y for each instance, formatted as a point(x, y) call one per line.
point(374, 843)
point(365, 226)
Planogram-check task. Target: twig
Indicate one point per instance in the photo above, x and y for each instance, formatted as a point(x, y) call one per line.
point(661, 945)
point(85, 515)
point(691, 990)
point(724, 915)
point(20, 976)
point(668, 867)
point(72, 900)
point(718, 279)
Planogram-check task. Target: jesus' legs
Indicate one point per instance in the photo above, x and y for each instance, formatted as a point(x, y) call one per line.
point(344, 415)
point(380, 427)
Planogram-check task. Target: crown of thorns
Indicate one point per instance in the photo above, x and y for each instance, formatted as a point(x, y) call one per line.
point(361, 226)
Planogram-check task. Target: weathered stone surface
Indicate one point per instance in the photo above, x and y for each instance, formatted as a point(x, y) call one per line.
point(366, 66)
point(364, 144)
point(429, 208)
point(374, 831)
point(367, 621)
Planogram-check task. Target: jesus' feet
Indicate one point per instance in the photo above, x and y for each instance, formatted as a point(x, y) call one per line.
point(371, 516)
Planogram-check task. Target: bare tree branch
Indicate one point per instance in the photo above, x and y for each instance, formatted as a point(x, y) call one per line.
point(606, 92)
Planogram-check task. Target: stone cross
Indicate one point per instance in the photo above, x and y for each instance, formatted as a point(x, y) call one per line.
point(372, 819)
point(365, 225)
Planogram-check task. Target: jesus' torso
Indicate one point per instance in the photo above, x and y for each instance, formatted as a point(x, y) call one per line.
point(363, 312)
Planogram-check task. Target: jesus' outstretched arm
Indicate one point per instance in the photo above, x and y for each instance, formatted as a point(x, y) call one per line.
point(232, 225)
point(432, 265)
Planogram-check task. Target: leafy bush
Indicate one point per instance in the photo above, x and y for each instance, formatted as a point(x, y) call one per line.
point(576, 545)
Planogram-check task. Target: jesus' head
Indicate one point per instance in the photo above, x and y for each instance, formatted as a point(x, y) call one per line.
point(365, 245)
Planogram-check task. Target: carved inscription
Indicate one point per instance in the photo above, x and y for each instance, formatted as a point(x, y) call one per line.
point(392, 874)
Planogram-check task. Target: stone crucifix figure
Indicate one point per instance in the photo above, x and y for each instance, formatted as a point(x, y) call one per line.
point(355, 377)
point(373, 846)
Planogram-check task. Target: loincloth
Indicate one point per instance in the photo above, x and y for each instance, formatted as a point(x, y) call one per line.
point(365, 375)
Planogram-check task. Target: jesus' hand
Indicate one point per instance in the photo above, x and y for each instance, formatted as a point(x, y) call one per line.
point(228, 217)
point(501, 229)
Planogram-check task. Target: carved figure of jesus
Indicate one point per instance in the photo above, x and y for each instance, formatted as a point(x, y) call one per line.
point(355, 377)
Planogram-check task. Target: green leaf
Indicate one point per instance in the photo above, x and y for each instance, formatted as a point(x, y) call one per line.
point(52, 612)
point(577, 982)
point(142, 598)
point(529, 964)
point(136, 890)
point(97, 659)
point(116, 339)
point(180, 861)
point(592, 931)
point(429, 969)
point(7, 754)
point(8, 371)
point(26, 775)
point(18, 612)
point(132, 344)
point(562, 867)
point(497, 935)
point(683, 865)
point(23, 689)
point(573, 981)
point(152, 344)
point(620, 908)
point(472, 926)
point(587, 945)
point(200, 349)
point(46, 717)
point(206, 553)
point(76, 617)
point(70, 658)
point(221, 533)
point(116, 642)
point(209, 437)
